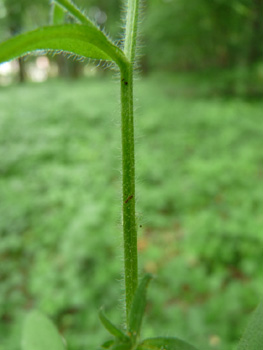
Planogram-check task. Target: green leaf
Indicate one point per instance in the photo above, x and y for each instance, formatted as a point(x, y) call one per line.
point(167, 343)
point(39, 333)
point(138, 307)
point(112, 328)
point(77, 39)
point(58, 14)
point(252, 338)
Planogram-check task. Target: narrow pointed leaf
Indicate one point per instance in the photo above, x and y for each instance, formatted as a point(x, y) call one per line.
point(71, 38)
point(112, 328)
point(57, 15)
point(167, 343)
point(75, 12)
point(138, 307)
point(252, 338)
point(39, 333)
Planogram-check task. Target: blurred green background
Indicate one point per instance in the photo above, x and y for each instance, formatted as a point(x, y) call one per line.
point(199, 175)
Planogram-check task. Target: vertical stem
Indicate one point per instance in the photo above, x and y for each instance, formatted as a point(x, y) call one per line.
point(128, 186)
point(131, 29)
point(128, 164)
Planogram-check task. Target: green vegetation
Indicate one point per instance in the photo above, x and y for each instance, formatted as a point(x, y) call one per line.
point(211, 244)
point(219, 34)
point(200, 192)
point(86, 40)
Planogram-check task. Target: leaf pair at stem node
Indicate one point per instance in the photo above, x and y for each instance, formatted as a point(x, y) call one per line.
point(131, 339)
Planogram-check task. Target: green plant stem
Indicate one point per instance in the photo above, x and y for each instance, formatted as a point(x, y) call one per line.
point(128, 163)
point(128, 186)
point(131, 29)
point(68, 5)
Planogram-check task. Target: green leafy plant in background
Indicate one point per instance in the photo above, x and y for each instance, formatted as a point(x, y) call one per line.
point(86, 40)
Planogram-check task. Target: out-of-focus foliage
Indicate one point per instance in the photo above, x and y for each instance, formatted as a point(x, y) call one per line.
point(203, 33)
point(200, 169)
point(199, 204)
point(176, 34)
point(23, 14)
point(20, 15)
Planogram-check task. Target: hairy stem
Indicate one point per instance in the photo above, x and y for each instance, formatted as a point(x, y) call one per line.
point(128, 186)
point(74, 11)
point(131, 29)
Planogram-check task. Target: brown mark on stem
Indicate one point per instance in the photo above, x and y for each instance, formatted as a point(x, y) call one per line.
point(125, 82)
point(129, 198)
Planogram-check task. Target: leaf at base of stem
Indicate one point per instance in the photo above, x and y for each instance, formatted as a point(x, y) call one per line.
point(138, 307)
point(114, 330)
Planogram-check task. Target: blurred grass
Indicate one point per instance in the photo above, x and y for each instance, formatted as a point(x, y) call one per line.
point(199, 169)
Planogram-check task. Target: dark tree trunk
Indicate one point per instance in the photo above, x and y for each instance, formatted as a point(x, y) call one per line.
point(256, 46)
point(69, 68)
point(63, 70)
point(15, 23)
point(144, 65)
point(22, 70)
point(76, 70)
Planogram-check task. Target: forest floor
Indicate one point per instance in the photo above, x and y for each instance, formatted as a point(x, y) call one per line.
point(199, 205)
